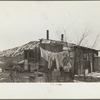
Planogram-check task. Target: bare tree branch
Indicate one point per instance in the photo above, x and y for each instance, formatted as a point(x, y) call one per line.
point(95, 41)
point(84, 35)
point(86, 43)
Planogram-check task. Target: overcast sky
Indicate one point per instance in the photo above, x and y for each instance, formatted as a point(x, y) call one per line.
point(25, 21)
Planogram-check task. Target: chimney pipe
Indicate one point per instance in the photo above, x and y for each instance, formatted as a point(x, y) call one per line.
point(47, 34)
point(62, 37)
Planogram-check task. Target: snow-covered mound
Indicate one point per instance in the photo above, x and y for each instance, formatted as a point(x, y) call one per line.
point(19, 50)
point(94, 74)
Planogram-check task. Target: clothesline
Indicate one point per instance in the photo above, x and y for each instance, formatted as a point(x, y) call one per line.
point(58, 56)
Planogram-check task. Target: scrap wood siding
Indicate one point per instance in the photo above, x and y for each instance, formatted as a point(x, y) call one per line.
point(31, 58)
point(54, 51)
point(84, 59)
point(81, 58)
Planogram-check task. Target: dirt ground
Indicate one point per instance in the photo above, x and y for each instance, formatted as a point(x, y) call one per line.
point(18, 77)
point(30, 77)
point(27, 77)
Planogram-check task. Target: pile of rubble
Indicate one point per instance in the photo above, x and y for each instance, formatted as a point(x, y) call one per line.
point(93, 77)
point(5, 77)
point(90, 77)
point(94, 74)
point(22, 77)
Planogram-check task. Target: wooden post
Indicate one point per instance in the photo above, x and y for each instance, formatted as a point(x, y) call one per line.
point(25, 64)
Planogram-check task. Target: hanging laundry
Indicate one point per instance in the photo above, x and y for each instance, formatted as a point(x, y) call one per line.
point(67, 67)
point(54, 64)
point(57, 64)
point(44, 54)
point(49, 62)
point(50, 56)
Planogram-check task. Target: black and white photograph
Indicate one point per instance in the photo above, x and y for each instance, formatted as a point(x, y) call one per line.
point(49, 42)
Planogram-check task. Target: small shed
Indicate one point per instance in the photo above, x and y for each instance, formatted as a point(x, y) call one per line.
point(84, 59)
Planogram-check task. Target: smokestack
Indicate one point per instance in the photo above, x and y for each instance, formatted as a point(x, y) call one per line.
point(62, 37)
point(47, 34)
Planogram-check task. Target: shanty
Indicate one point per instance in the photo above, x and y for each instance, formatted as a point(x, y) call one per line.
point(52, 61)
